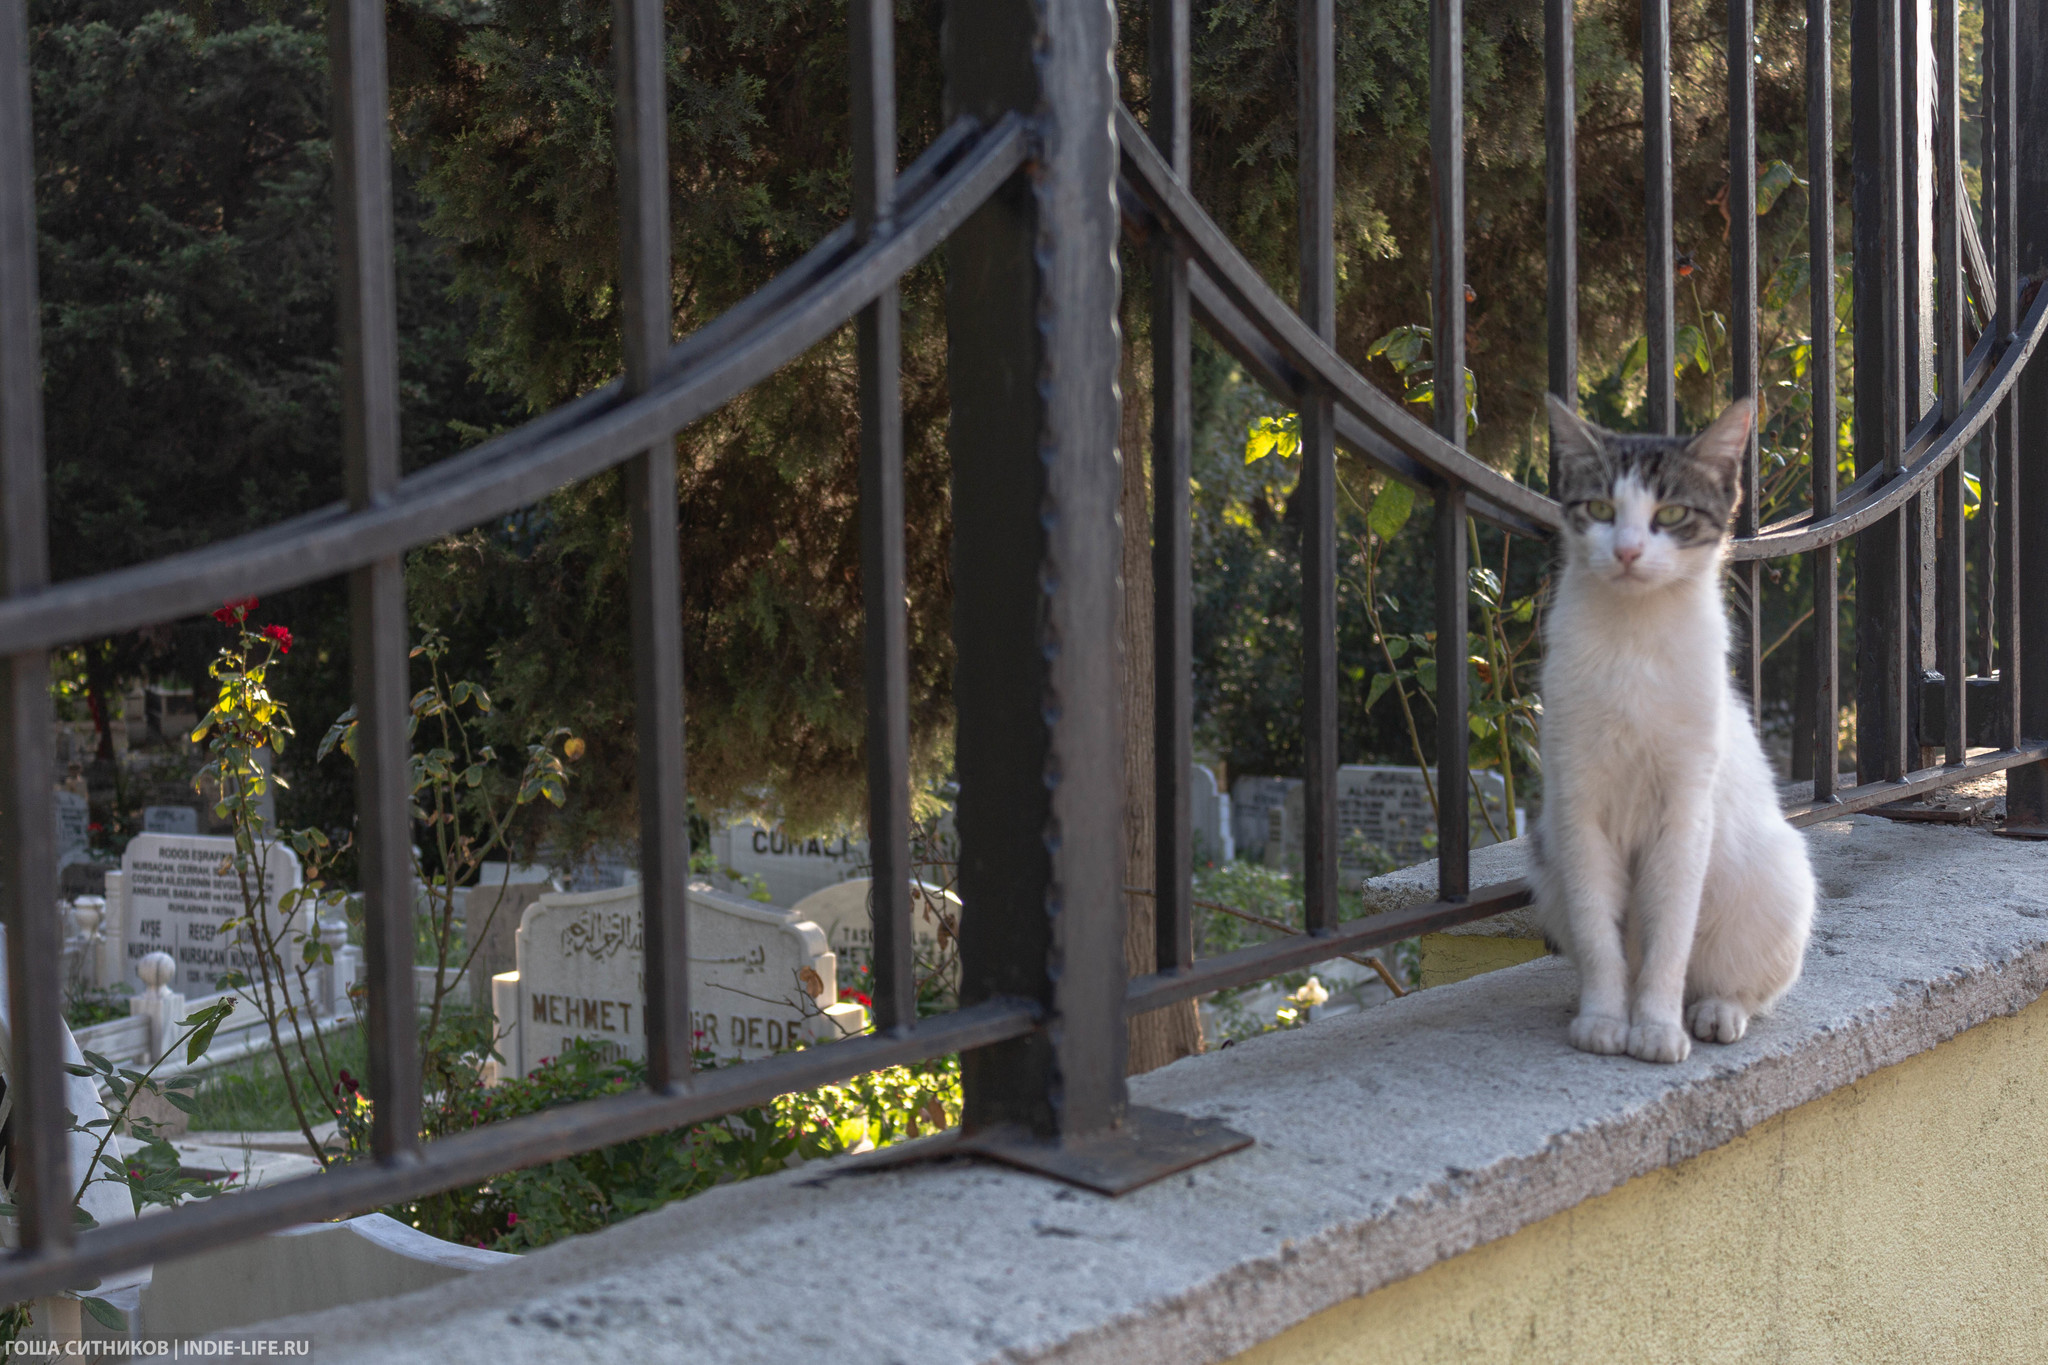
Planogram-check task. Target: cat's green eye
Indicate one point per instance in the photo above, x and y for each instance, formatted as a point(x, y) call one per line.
point(1670, 514)
point(1599, 509)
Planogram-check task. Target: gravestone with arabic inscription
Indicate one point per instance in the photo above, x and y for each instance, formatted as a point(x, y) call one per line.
point(761, 980)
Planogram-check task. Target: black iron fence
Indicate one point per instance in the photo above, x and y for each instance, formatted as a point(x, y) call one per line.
point(1027, 190)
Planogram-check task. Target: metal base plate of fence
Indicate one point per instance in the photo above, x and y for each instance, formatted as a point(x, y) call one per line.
point(1149, 1145)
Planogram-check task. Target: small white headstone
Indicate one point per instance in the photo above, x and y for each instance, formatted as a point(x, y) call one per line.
point(170, 820)
point(179, 890)
point(789, 867)
point(843, 913)
point(74, 826)
point(761, 980)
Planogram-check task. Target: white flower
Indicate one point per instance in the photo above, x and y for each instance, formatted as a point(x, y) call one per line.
point(1310, 994)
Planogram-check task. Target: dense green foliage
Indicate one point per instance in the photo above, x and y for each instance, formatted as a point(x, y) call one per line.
point(529, 1208)
point(186, 271)
point(189, 343)
point(505, 115)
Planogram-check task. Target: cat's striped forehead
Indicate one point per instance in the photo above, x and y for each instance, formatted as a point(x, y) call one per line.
point(1665, 467)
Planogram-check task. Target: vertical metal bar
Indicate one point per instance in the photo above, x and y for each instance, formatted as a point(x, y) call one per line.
point(2024, 76)
point(1031, 286)
point(1453, 736)
point(639, 45)
point(1742, 341)
point(1917, 177)
point(1820, 247)
point(1660, 396)
point(1882, 637)
point(1172, 570)
point(1984, 289)
point(1953, 609)
point(367, 292)
point(28, 878)
point(1896, 625)
point(1561, 181)
point(1447, 280)
point(2001, 193)
point(1316, 211)
point(886, 639)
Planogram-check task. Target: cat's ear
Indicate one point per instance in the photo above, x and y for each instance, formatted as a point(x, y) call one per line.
point(1574, 442)
point(1723, 446)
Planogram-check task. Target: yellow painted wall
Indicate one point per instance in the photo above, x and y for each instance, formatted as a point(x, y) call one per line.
point(1453, 957)
point(1903, 1218)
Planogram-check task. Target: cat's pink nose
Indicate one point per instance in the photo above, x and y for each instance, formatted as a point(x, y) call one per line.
point(1627, 554)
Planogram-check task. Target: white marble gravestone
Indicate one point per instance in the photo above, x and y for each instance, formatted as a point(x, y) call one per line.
point(790, 868)
point(761, 980)
point(74, 826)
point(1388, 806)
point(177, 891)
point(843, 913)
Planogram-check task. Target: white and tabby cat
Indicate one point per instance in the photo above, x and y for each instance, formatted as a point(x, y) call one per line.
point(1662, 865)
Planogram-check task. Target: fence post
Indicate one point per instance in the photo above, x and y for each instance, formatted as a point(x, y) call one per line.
point(40, 1176)
point(2026, 801)
point(1032, 288)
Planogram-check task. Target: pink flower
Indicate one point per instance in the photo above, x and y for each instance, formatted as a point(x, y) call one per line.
point(512, 1219)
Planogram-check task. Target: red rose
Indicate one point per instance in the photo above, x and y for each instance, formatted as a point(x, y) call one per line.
point(283, 636)
point(235, 611)
point(860, 998)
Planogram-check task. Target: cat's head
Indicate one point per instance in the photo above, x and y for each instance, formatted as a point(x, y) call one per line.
point(1642, 512)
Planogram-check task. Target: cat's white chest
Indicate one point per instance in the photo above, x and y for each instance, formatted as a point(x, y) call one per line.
point(1633, 705)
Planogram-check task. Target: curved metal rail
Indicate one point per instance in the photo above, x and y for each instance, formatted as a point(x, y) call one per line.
point(1865, 505)
point(1281, 328)
point(793, 312)
point(1251, 320)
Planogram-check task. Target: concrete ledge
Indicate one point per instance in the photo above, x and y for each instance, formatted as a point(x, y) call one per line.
point(1387, 1141)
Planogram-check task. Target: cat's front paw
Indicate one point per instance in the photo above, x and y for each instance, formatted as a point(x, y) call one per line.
point(1717, 1021)
point(1658, 1043)
point(1600, 1033)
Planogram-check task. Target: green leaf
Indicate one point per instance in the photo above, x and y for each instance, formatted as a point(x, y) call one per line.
point(1772, 181)
point(77, 1070)
point(1690, 344)
point(1635, 358)
point(99, 1063)
point(1397, 646)
point(1788, 281)
point(202, 1038)
point(83, 1219)
point(1380, 683)
point(184, 1102)
point(1390, 509)
point(105, 1314)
